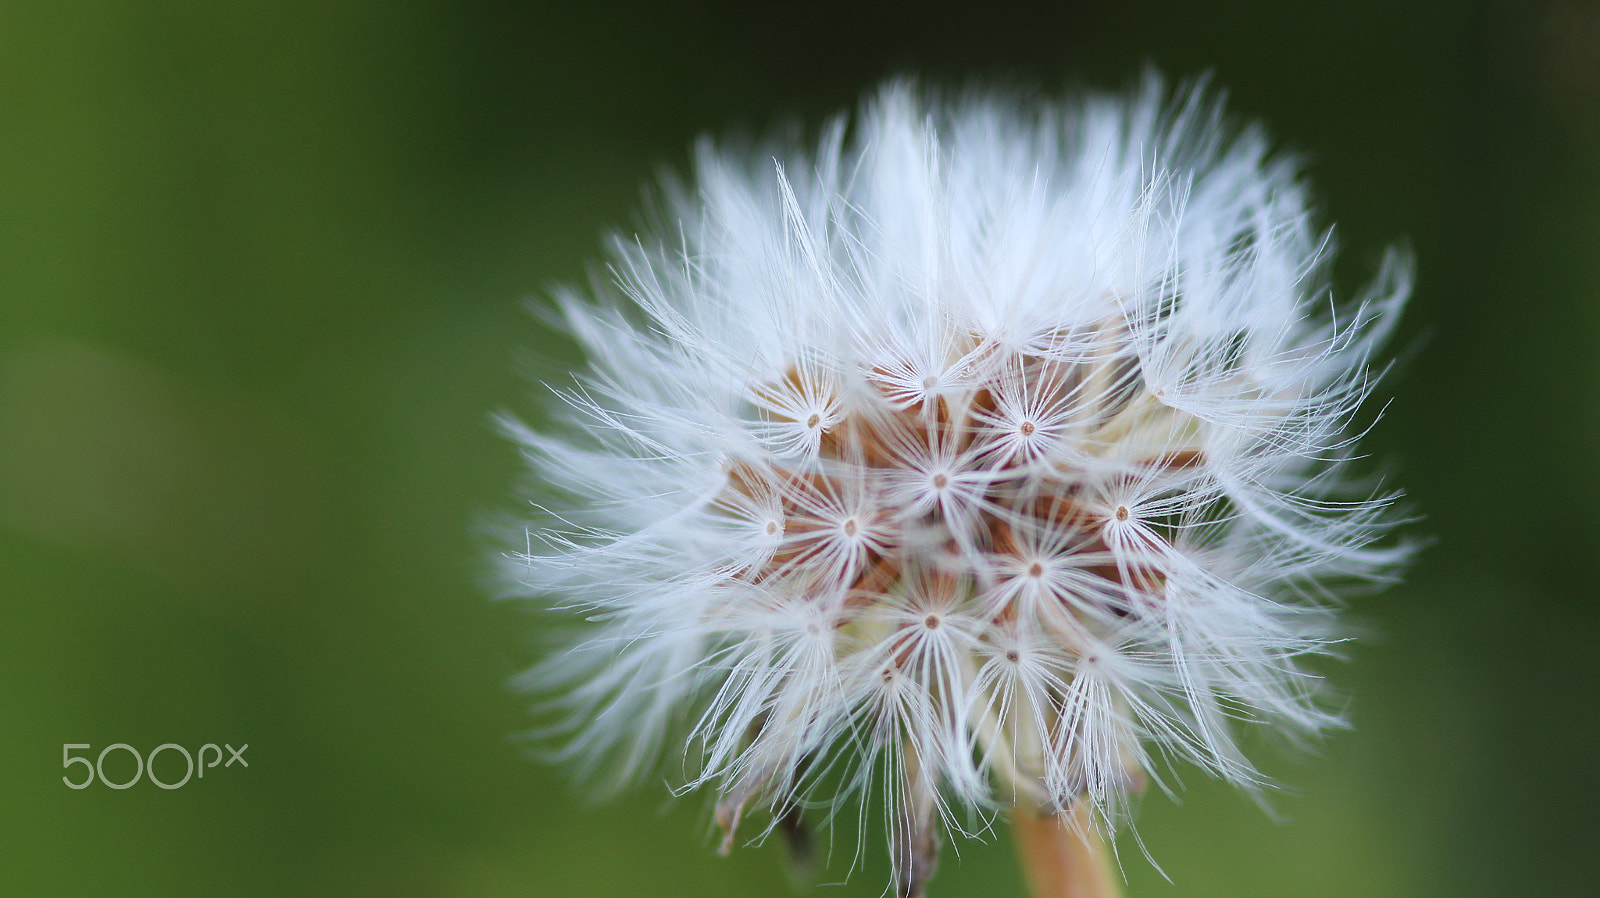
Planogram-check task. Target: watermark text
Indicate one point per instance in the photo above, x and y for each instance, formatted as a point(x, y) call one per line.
point(195, 765)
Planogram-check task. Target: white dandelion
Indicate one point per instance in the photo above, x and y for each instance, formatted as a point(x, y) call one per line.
point(992, 455)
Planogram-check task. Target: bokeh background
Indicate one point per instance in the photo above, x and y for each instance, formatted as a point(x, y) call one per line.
point(262, 281)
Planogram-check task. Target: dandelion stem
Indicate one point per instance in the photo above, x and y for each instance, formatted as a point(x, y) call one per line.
point(1064, 856)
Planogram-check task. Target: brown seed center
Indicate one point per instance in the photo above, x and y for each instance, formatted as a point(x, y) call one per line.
point(1122, 512)
point(814, 420)
point(1027, 428)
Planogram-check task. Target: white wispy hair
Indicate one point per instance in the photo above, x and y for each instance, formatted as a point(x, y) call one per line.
point(992, 454)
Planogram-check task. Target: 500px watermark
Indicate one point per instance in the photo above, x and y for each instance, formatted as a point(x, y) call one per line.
point(146, 765)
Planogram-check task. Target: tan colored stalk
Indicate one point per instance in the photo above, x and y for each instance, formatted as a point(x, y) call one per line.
point(1064, 856)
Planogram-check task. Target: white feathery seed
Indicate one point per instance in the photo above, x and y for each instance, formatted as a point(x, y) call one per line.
point(992, 454)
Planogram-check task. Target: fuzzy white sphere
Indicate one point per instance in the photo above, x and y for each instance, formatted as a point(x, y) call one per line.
point(991, 454)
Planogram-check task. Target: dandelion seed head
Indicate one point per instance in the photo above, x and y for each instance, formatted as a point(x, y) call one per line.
point(983, 455)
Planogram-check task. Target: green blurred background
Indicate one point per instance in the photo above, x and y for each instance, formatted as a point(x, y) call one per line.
point(262, 272)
